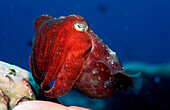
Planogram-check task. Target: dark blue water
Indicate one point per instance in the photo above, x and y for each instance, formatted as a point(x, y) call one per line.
point(137, 30)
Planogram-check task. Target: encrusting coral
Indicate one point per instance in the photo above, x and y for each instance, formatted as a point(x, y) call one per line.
point(14, 86)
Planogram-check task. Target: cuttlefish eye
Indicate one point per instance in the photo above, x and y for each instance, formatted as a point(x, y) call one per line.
point(80, 27)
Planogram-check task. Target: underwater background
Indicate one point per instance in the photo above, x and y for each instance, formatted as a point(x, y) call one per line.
point(137, 30)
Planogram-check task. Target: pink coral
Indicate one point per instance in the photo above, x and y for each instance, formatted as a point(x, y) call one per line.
point(45, 105)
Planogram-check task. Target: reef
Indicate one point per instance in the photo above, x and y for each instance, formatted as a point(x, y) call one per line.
point(18, 90)
point(14, 86)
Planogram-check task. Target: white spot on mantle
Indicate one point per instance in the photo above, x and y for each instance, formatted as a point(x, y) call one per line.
point(95, 71)
point(99, 78)
point(102, 69)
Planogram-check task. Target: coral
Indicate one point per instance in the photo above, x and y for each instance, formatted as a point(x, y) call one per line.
point(18, 90)
point(147, 69)
point(14, 86)
point(15, 91)
point(73, 97)
point(45, 105)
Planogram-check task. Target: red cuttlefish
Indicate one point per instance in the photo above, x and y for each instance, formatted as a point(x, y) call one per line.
point(67, 51)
